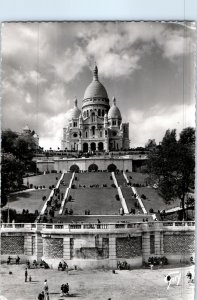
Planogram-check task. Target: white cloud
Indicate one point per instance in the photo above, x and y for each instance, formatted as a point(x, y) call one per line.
point(154, 126)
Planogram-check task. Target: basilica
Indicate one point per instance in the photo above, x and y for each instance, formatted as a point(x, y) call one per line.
point(97, 126)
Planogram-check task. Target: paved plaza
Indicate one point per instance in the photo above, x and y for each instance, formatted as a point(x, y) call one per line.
point(141, 284)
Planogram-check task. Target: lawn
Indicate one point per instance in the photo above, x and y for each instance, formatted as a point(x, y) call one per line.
point(137, 177)
point(30, 200)
point(93, 178)
point(97, 200)
point(47, 180)
point(154, 200)
point(140, 284)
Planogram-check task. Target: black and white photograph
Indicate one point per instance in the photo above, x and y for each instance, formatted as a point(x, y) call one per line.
point(98, 160)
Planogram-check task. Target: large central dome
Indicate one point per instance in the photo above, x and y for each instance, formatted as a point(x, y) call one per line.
point(95, 89)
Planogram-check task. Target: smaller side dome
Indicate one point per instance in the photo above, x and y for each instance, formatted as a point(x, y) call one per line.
point(75, 112)
point(114, 112)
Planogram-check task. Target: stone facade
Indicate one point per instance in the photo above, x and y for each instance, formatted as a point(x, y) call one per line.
point(53, 248)
point(97, 127)
point(176, 243)
point(152, 244)
point(97, 246)
point(128, 247)
point(64, 165)
point(12, 244)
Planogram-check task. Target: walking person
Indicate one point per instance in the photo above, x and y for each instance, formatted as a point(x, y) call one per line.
point(46, 290)
point(26, 274)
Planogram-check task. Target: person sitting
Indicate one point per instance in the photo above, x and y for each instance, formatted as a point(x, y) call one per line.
point(60, 266)
point(35, 264)
point(189, 276)
point(17, 260)
point(9, 260)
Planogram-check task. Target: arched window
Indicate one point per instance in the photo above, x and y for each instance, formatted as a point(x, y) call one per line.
point(101, 134)
point(93, 130)
point(86, 134)
point(93, 117)
point(87, 113)
point(103, 113)
point(99, 112)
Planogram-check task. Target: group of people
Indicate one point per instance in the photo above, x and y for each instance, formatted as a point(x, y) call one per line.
point(44, 295)
point(62, 266)
point(68, 212)
point(10, 259)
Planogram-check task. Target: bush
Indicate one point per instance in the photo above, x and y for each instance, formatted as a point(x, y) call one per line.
point(69, 198)
point(117, 197)
point(143, 196)
point(44, 198)
point(151, 210)
point(31, 186)
point(113, 185)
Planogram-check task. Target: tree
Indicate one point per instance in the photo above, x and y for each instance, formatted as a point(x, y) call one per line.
point(12, 173)
point(172, 164)
point(17, 154)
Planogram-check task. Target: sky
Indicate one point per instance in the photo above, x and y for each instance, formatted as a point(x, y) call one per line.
point(147, 66)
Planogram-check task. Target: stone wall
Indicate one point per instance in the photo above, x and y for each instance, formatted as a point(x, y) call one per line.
point(152, 244)
point(180, 243)
point(53, 248)
point(128, 247)
point(83, 163)
point(12, 244)
point(88, 250)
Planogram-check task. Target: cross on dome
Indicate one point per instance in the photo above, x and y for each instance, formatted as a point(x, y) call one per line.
point(95, 72)
point(114, 100)
point(75, 102)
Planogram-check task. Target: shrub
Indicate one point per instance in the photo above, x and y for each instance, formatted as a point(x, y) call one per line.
point(117, 197)
point(143, 196)
point(151, 210)
point(31, 186)
point(69, 198)
point(113, 185)
point(44, 198)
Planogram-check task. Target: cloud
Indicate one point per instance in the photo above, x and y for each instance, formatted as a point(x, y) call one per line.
point(144, 127)
point(45, 65)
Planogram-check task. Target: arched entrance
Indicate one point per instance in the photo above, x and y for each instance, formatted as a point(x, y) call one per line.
point(93, 146)
point(93, 168)
point(85, 147)
point(74, 168)
point(111, 168)
point(100, 146)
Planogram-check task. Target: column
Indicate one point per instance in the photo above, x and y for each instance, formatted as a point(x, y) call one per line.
point(39, 246)
point(66, 248)
point(112, 252)
point(28, 245)
point(145, 242)
point(157, 243)
point(161, 243)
